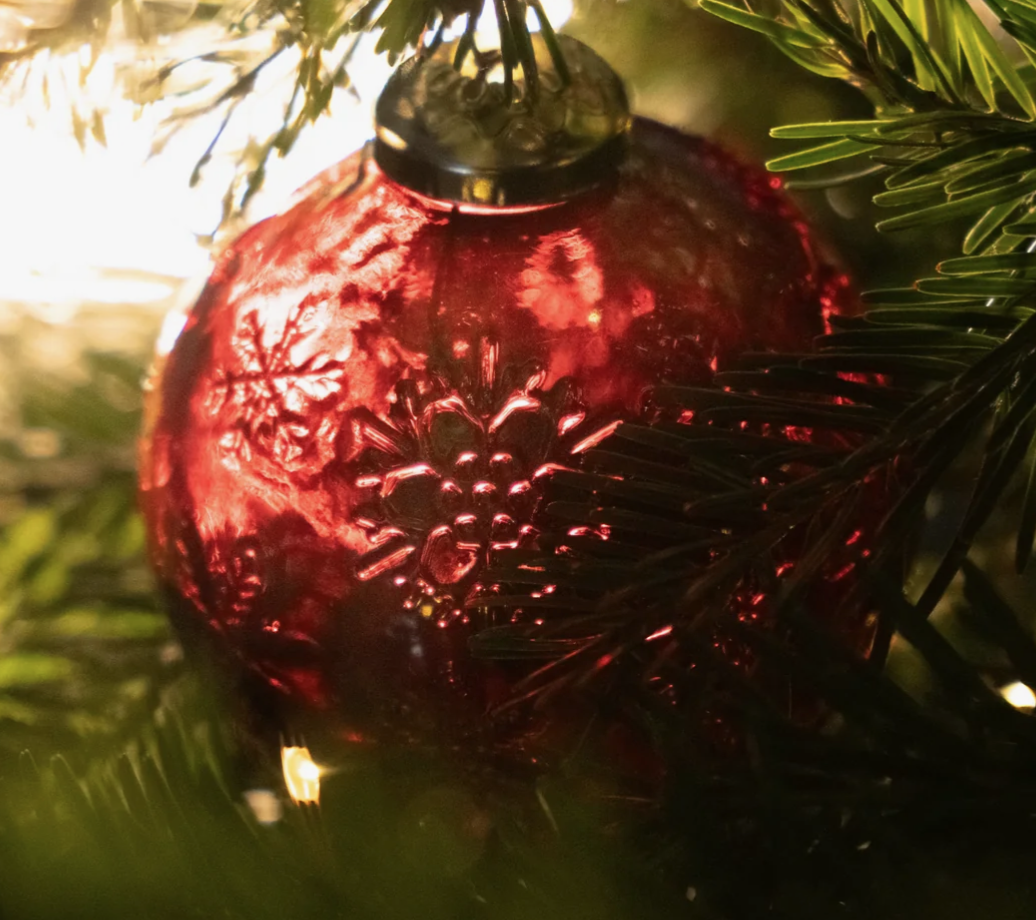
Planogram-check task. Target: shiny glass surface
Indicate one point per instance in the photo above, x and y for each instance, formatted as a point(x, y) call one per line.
point(362, 408)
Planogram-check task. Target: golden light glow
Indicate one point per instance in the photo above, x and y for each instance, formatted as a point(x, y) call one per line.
point(301, 774)
point(92, 214)
point(88, 224)
point(264, 804)
point(488, 36)
point(1019, 695)
point(104, 220)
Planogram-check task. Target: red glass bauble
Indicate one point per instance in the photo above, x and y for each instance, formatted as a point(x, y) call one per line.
point(359, 413)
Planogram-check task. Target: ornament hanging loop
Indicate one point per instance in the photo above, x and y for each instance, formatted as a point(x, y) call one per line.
point(448, 131)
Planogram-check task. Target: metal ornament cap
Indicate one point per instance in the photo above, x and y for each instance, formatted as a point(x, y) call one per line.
point(451, 135)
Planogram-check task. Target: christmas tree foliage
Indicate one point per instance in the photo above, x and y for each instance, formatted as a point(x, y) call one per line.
point(902, 786)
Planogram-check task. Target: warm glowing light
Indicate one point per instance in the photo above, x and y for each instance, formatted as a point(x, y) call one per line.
point(264, 805)
point(117, 225)
point(301, 775)
point(1019, 695)
point(100, 220)
point(558, 12)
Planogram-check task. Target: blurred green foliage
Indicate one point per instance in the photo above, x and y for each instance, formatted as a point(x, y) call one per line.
point(82, 641)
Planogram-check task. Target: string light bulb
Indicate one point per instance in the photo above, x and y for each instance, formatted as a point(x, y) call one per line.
point(301, 775)
point(1019, 695)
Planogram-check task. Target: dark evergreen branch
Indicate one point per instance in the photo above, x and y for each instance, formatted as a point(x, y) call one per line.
point(806, 510)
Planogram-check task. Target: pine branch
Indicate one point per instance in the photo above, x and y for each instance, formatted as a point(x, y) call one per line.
point(721, 536)
point(715, 511)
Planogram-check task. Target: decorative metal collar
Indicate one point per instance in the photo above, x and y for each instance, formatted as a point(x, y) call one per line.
point(453, 135)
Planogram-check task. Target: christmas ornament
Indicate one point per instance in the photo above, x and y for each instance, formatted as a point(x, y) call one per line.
point(360, 413)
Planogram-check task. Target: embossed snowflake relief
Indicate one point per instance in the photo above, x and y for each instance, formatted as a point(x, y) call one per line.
point(367, 399)
point(445, 482)
point(426, 491)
